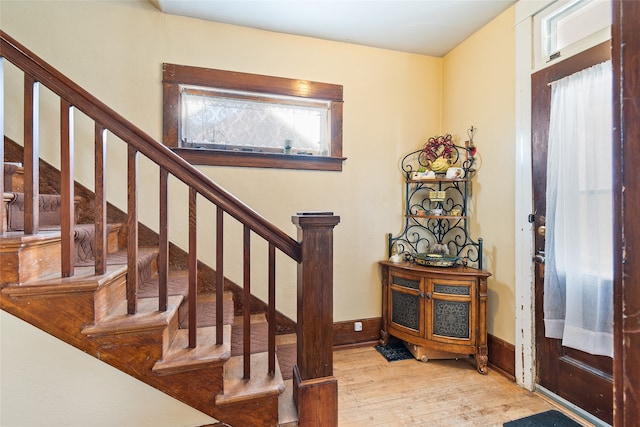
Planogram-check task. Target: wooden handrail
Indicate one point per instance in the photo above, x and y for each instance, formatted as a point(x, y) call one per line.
point(313, 251)
point(39, 70)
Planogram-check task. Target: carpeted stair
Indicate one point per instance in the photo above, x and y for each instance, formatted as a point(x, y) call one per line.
point(49, 210)
point(84, 245)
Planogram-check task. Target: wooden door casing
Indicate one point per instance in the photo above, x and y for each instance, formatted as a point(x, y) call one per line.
point(582, 379)
point(626, 122)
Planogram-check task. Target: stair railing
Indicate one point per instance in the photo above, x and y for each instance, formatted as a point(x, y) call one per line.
point(313, 251)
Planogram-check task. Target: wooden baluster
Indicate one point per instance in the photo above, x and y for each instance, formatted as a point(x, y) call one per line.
point(271, 348)
point(193, 269)
point(66, 187)
point(132, 230)
point(3, 219)
point(31, 155)
point(246, 303)
point(163, 241)
point(100, 205)
point(219, 274)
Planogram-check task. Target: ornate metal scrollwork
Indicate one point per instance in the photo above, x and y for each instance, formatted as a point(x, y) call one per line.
point(432, 223)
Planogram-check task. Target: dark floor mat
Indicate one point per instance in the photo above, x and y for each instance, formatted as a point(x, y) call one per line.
point(395, 350)
point(551, 418)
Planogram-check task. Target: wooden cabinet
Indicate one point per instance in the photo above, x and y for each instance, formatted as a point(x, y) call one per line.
point(438, 312)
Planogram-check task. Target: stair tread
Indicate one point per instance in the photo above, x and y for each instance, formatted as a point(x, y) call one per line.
point(84, 279)
point(237, 389)
point(180, 357)
point(19, 238)
point(120, 257)
point(148, 317)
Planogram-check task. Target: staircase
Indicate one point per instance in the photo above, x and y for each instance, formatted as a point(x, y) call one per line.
point(92, 285)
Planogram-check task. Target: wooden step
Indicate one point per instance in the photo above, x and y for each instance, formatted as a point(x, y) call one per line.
point(206, 310)
point(237, 389)
point(84, 240)
point(147, 262)
point(147, 318)
point(27, 257)
point(49, 211)
point(252, 402)
point(181, 358)
point(106, 289)
point(13, 177)
point(30, 257)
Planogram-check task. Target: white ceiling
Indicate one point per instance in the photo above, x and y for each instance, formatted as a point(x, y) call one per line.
point(429, 27)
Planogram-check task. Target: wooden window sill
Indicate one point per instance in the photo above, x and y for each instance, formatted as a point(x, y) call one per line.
point(259, 159)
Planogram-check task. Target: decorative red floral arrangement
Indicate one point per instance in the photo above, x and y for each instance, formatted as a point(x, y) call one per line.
point(439, 146)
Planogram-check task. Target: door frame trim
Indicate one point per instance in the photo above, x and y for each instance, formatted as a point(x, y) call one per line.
point(524, 267)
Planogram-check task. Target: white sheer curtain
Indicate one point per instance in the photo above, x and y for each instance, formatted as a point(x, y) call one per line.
point(578, 289)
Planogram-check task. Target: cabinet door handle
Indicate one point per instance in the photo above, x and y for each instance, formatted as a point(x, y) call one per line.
point(428, 295)
point(420, 294)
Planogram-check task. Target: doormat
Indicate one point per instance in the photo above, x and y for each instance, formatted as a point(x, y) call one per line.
point(394, 350)
point(551, 418)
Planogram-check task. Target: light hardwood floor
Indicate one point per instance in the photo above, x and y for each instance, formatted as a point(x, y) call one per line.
point(451, 393)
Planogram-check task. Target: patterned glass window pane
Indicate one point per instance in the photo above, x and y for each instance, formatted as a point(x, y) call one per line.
point(230, 120)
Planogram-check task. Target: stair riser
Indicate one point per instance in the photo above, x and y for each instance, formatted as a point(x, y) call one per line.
point(113, 241)
point(108, 297)
point(49, 211)
point(14, 181)
point(260, 412)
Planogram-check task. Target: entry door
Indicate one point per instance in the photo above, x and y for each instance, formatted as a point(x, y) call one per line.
point(582, 379)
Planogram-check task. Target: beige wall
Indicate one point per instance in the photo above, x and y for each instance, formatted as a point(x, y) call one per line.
point(479, 90)
point(45, 382)
point(393, 102)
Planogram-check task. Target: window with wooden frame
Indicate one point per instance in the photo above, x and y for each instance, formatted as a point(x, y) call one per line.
point(225, 118)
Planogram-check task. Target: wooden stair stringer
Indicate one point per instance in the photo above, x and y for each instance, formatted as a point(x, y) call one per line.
point(62, 307)
point(88, 312)
point(135, 349)
point(134, 344)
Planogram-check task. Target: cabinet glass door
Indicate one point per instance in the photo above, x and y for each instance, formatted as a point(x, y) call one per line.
point(407, 303)
point(452, 315)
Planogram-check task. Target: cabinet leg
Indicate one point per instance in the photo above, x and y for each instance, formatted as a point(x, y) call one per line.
point(384, 337)
point(482, 359)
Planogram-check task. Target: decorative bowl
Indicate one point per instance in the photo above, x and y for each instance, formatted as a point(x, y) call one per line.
point(435, 260)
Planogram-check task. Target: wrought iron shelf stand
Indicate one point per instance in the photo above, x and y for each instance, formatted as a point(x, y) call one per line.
point(439, 312)
point(449, 226)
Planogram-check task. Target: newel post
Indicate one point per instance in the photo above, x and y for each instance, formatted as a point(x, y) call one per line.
point(315, 387)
